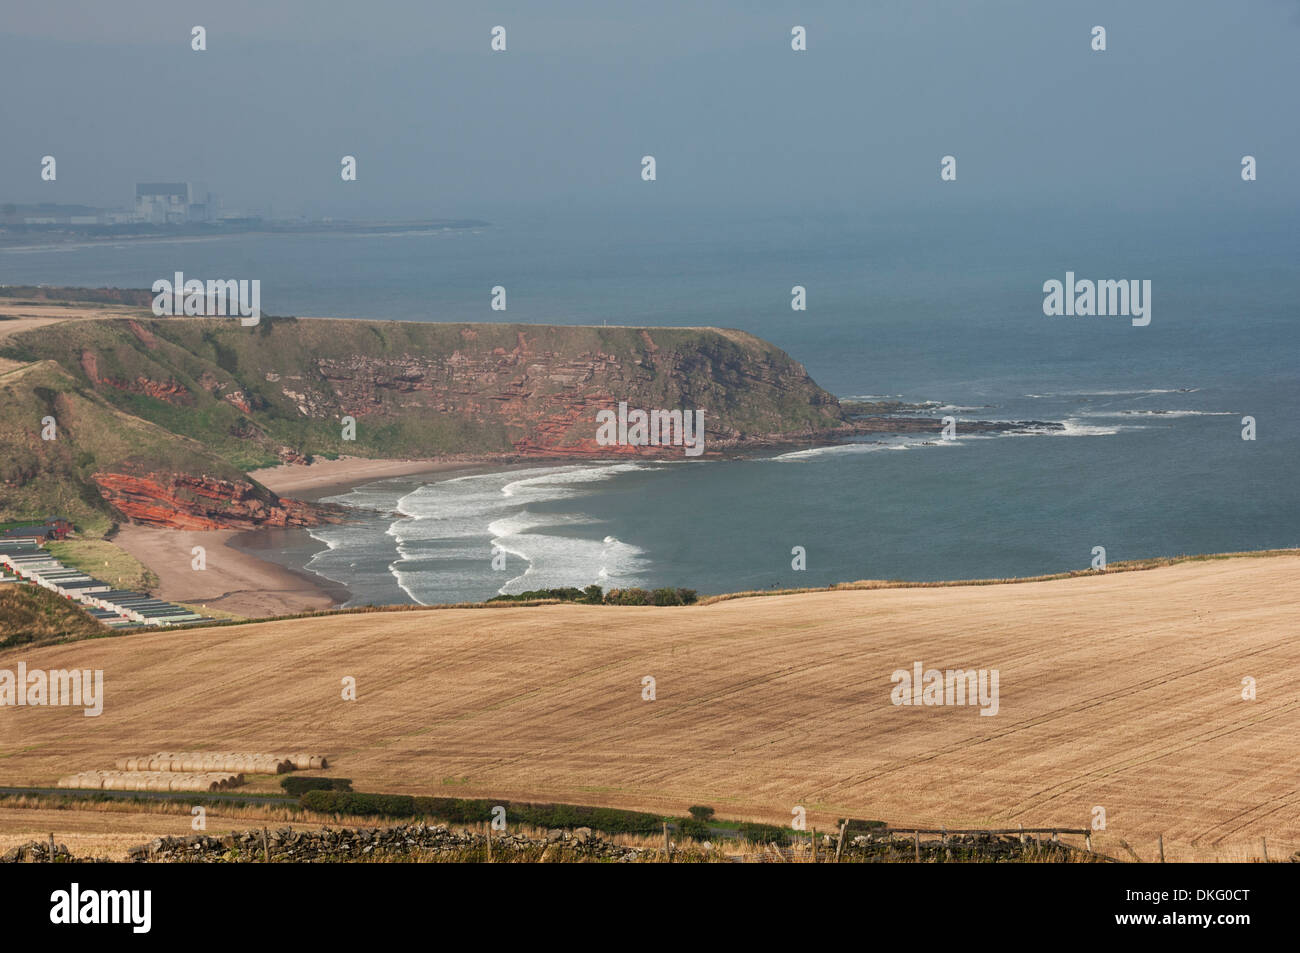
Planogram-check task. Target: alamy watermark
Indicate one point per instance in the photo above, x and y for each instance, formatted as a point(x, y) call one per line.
point(658, 428)
point(131, 908)
point(72, 688)
point(1104, 298)
point(193, 298)
point(951, 687)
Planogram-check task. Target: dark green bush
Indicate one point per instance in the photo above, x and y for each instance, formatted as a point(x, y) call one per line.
point(765, 834)
point(567, 594)
point(347, 802)
point(696, 830)
point(466, 811)
point(627, 597)
point(297, 784)
point(593, 595)
point(455, 810)
point(701, 813)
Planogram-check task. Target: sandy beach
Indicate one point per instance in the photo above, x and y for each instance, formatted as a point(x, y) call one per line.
point(290, 478)
point(239, 577)
point(234, 581)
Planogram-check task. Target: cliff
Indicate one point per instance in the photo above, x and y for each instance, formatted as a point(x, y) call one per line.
point(280, 390)
point(65, 450)
point(159, 418)
point(188, 501)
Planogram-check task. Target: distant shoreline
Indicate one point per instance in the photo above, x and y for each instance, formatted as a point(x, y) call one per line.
point(322, 478)
point(15, 237)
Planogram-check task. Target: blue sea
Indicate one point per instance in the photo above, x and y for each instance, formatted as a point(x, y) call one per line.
point(939, 305)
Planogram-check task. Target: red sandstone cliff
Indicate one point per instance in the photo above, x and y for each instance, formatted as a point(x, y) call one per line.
point(182, 501)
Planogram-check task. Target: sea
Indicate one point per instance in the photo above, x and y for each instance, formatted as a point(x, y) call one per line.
point(933, 305)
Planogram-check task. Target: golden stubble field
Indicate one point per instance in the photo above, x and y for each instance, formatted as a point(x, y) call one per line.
point(1120, 691)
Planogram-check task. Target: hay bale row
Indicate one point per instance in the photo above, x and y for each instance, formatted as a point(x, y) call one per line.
point(304, 761)
point(151, 781)
point(200, 761)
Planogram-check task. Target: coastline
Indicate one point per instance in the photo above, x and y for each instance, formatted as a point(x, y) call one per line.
point(325, 477)
point(257, 573)
point(282, 554)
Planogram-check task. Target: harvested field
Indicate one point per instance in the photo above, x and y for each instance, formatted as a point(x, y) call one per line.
point(1119, 691)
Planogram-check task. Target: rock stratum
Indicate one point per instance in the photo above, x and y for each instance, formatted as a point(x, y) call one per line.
point(186, 501)
point(158, 420)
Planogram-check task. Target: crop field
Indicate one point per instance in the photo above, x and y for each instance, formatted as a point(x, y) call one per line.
point(1121, 692)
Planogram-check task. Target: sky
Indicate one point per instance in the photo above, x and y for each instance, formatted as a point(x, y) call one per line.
point(441, 126)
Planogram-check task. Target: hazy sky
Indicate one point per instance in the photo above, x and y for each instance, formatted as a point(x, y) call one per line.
point(440, 125)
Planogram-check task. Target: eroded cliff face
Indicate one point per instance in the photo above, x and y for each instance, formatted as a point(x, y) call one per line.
point(219, 399)
point(184, 501)
point(547, 397)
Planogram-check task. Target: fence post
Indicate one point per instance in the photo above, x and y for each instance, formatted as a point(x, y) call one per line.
point(1263, 841)
point(840, 846)
point(814, 845)
point(266, 850)
point(917, 835)
point(1087, 839)
point(1160, 841)
point(489, 842)
point(668, 847)
point(50, 859)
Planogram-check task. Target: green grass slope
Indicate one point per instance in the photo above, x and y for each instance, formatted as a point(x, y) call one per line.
point(40, 477)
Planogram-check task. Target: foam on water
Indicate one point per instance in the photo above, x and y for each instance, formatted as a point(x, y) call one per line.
point(1149, 392)
point(437, 541)
point(1157, 413)
point(850, 449)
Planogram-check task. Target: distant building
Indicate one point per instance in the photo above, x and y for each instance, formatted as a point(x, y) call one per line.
point(162, 203)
